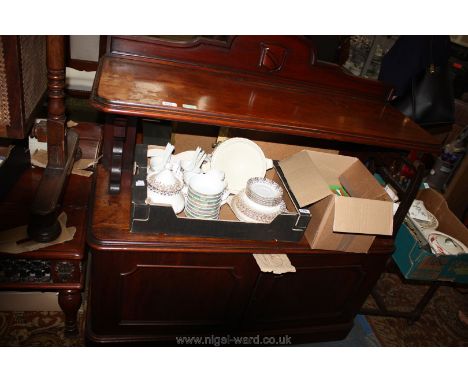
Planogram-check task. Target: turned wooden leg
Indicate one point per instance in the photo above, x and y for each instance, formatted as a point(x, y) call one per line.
point(70, 302)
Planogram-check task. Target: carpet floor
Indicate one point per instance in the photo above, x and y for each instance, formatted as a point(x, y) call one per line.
point(438, 326)
point(37, 329)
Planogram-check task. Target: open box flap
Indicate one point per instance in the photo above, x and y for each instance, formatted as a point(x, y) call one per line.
point(330, 165)
point(304, 179)
point(360, 183)
point(366, 216)
point(310, 173)
point(448, 222)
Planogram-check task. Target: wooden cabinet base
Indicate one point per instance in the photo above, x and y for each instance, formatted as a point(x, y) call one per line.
point(147, 288)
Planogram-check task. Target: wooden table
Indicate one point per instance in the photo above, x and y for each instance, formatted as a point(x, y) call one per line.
point(155, 287)
point(61, 267)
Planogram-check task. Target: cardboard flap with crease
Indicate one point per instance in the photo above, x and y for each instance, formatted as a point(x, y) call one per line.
point(304, 179)
point(448, 222)
point(366, 216)
point(361, 184)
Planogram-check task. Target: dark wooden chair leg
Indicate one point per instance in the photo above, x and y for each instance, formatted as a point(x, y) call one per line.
point(70, 302)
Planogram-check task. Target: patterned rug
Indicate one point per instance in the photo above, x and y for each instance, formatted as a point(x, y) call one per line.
point(36, 329)
point(439, 324)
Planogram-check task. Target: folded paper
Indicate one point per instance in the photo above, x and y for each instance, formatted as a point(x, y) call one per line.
point(16, 240)
point(39, 159)
point(276, 263)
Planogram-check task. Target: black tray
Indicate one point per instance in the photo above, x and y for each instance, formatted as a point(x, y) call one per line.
point(162, 219)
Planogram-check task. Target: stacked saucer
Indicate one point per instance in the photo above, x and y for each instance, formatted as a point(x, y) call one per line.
point(260, 202)
point(204, 196)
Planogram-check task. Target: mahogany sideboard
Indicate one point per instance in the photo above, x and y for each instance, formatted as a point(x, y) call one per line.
point(155, 287)
point(147, 287)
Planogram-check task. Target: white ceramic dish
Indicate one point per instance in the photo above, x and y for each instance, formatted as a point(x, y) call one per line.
point(203, 207)
point(428, 225)
point(164, 182)
point(183, 156)
point(207, 185)
point(248, 211)
point(445, 245)
point(176, 201)
point(238, 212)
point(260, 208)
point(264, 191)
point(189, 211)
point(240, 159)
point(153, 152)
point(176, 158)
point(156, 163)
point(165, 188)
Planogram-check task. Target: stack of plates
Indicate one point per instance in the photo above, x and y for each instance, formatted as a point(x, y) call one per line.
point(202, 206)
point(260, 202)
point(264, 192)
point(204, 196)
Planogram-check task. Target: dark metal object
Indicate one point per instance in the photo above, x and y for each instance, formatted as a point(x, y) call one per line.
point(411, 315)
point(406, 188)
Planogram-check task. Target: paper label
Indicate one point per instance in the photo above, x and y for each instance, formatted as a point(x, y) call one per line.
point(173, 104)
point(140, 183)
point(276, 263)
point(190, 106)
point(391, 192)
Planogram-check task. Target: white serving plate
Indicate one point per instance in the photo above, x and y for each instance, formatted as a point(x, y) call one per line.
point(240, 159)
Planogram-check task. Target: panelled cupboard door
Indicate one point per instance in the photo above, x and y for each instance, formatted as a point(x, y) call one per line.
point(162, 294)
point(319, 292)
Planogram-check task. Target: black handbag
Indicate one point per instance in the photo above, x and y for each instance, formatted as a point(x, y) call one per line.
point(429, 100)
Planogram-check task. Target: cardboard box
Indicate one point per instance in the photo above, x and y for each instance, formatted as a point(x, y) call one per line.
point(344, 223)
point(415, 259)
